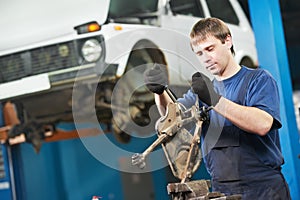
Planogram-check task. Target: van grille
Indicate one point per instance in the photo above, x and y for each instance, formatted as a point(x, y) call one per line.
point(37, 61)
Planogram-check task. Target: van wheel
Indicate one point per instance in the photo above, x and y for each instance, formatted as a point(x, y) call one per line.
point(248, 63)
point(138, 114)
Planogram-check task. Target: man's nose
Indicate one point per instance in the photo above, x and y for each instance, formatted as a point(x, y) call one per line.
point(206, 57)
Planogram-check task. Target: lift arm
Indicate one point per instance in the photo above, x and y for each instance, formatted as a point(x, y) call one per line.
point(14, 132)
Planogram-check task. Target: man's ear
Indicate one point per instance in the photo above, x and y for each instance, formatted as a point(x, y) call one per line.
point(228, 41)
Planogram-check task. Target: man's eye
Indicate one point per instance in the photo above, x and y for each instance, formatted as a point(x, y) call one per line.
point(210, 49)
point(200, 53)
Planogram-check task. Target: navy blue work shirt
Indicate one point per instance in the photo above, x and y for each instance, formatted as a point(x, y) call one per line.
point(231, 154)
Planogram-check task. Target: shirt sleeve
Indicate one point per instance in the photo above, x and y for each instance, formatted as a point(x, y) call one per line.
point(263, 94)
point(188, 99)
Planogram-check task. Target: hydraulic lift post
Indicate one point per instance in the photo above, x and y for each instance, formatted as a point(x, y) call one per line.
point(272, 55)
point(6, 176)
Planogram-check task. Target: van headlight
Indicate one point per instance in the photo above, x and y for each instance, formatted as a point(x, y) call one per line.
point(91, 50)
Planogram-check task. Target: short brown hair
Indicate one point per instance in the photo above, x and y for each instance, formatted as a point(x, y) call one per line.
point(210, 27)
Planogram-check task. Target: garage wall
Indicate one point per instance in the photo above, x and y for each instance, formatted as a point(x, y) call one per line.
point(63, 170)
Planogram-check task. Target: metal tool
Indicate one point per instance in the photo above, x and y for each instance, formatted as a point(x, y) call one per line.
point(180, 146)
point(182, 151)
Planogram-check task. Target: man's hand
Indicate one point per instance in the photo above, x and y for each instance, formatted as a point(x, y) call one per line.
point(204, 88)
point(156, 79)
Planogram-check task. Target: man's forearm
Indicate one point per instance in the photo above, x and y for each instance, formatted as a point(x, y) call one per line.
point(249, 119)
point(162, 102)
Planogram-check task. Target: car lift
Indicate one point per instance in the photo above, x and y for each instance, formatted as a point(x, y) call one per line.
point(13, 132)
point(270, 44)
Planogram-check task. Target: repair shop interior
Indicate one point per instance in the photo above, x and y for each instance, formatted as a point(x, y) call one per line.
point(153, 100)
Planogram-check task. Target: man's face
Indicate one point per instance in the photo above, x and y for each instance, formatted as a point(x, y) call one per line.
point(213, 54)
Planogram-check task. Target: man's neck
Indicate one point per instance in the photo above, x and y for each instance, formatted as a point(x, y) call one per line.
point(231, 69)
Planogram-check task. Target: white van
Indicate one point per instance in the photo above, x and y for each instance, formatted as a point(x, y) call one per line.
point(97, 51)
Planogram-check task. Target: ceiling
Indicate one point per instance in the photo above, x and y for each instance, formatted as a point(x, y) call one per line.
point(290, 12)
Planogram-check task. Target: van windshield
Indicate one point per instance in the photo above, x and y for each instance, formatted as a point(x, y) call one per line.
point(131, 8)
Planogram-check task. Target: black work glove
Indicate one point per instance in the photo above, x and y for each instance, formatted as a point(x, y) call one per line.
point(204, 88)
point(156, 79)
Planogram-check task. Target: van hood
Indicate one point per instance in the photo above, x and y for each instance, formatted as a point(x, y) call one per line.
point(28, 22)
